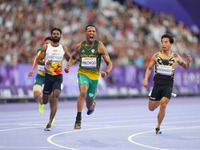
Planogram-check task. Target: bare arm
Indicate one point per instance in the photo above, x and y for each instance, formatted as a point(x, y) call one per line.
point(73, 58)
point(148, 70)
point(106, 57)
point(183, 63)
point(67, 51)
point(42, 55)
point(34, 66)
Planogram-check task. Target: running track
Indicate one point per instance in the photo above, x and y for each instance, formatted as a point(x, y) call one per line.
point(124, 124)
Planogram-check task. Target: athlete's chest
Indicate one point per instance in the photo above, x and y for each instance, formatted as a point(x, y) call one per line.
point(163, 61)
point(86, 50)
point(165, 65)
point(54, 53)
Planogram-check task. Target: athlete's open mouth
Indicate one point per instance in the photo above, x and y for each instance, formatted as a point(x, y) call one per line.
point(91, 37)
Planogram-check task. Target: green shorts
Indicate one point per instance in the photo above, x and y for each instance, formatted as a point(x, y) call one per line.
point(92, 85)
point(39, 80)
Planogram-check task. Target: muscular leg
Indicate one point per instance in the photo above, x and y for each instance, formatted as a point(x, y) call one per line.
point(54, 104)
point(46, 98)
point(153, 105)
point(37, 96)
point(83, 91)
point(37, 93)
point(163, 103)
point(89, 103)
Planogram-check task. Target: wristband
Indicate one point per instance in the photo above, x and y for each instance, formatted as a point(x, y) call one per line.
point(107, 73)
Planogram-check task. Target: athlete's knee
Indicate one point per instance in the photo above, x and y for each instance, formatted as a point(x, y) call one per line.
point(163, 105)
point(83, 94)
point(152, 105)
point(37, 95)
point(54, 100)
point(151, 108)
point(55, 97)
point(45, 99)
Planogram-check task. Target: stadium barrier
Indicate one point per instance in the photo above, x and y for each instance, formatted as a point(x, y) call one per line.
point(123, 82)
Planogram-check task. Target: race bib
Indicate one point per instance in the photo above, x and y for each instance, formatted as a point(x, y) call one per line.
point(165, 70)
point(89, 62)
point(41, 68)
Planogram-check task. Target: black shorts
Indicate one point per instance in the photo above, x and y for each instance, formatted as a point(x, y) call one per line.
point(161, 90)
point(52, 82)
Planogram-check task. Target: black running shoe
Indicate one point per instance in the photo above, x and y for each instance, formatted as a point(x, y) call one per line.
point(48, 128)
point(90, 111)
point(77, 125)
point(158, 131)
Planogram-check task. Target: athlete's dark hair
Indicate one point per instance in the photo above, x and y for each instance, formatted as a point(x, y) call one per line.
point(89, 25)
point(47, 38)
point(169, 36)
point(58, 29)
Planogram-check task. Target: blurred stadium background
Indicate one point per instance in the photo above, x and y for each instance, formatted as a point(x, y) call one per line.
point(130, 29)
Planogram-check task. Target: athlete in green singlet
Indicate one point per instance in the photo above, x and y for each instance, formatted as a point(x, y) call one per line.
point(39, 81)
point(90, 52)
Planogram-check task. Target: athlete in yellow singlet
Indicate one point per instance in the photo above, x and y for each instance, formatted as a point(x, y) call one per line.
point(90, 52)
point(39, 81)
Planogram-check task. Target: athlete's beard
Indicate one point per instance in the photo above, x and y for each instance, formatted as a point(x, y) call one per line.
point(55, 40)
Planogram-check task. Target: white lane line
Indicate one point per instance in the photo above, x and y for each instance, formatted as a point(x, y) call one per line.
point(16, 129)
point(130, 140)
point(11, 147)
point(143, 145)
point(107, 124)
point(49, 139)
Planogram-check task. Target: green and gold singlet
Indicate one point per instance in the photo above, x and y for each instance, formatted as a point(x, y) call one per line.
point(41, 70)
point(90, 60)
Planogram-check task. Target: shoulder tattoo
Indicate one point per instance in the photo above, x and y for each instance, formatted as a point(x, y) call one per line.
point(156, 55)
point(181, 63)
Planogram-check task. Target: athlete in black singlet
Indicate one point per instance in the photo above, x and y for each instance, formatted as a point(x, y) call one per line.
point(164, 62)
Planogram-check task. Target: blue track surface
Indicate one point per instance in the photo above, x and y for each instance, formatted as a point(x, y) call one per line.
point(124, 124)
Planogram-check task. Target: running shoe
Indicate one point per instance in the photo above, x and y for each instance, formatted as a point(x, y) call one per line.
point(90, 111)
point(158, 131)
point(77, 125)
point(48, 128)
point(41, 108)
point(53, 122)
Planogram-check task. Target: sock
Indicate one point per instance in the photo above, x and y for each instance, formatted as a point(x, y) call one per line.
point(78, 117)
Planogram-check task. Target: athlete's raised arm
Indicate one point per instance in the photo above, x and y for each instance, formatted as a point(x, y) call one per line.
point(181, 62)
